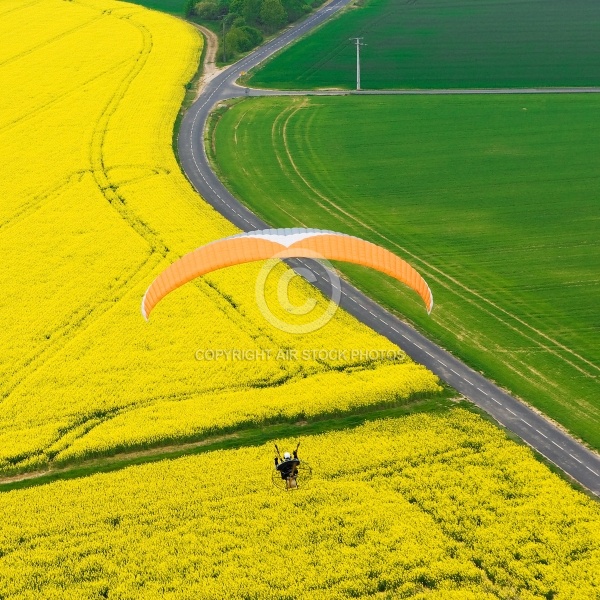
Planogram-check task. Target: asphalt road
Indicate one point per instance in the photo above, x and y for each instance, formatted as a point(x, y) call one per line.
point(533, 428)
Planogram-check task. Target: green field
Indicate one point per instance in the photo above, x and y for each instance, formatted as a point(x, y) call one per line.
point(493, 198)
point(446, 44)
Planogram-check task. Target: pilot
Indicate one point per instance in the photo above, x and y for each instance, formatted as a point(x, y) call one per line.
point(288, 467)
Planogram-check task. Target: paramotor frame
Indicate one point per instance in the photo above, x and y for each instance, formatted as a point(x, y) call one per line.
point(298, 480)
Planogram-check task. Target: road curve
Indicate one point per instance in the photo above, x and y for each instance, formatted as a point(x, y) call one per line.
point(533, 428)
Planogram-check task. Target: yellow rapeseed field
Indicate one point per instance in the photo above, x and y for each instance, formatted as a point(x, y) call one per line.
point(93, 207)
point(428, 506)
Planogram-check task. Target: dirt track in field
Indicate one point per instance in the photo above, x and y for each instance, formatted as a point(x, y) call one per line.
point(210, 69)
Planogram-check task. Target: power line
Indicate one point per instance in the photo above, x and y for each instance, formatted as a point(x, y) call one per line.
point(358, 42)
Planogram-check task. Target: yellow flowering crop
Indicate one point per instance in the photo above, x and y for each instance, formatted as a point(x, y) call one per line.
point(427, 506)
point(93, 206)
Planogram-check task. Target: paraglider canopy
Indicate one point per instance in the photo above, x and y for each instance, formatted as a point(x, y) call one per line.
point(282, 243)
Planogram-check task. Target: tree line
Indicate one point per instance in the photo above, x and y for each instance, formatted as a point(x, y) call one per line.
point(248, 21)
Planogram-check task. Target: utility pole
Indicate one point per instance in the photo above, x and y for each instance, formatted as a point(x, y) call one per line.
point(358, 42)
point(224, 55)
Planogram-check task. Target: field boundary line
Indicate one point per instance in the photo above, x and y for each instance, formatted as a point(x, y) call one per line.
point(171, 449)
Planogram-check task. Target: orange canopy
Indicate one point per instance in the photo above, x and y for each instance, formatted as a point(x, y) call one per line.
point(282, 243)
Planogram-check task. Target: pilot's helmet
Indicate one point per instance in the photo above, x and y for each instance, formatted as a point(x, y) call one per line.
point(287, 455)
